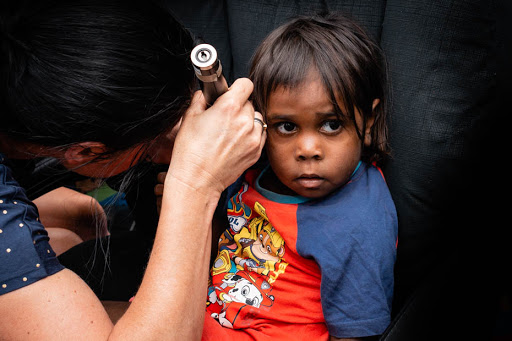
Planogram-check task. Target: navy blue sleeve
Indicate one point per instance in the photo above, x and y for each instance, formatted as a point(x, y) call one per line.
point(352, 236)
point(25, 254)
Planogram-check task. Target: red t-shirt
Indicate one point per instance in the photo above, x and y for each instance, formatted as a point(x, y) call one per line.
point(262, 287)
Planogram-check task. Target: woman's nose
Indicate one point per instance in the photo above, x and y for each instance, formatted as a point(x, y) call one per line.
point(309, 147)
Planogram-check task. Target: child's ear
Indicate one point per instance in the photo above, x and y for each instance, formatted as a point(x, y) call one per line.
point(81, 153)
point(369, 124)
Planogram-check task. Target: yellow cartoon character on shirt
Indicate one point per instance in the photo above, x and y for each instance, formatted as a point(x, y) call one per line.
point(260, 246)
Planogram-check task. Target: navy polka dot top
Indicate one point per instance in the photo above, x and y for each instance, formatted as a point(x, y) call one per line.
point(25, 254)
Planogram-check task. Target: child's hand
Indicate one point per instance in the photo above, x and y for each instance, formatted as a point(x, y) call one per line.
point(159, 190)
point(70, 217)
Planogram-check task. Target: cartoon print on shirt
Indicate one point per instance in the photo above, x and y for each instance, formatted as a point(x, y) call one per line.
point(259, 247)
point(250, 259)
point(238, 216)
point(238, 212)
point(262, 253)
point(241, 289)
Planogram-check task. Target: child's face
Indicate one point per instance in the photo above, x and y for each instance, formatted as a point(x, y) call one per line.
point(310, 150)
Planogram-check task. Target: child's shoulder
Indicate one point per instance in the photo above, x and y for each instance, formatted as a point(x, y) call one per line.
point(366, 184)
point(362, 201)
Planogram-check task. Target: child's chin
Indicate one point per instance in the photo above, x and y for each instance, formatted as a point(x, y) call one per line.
point(315, 193)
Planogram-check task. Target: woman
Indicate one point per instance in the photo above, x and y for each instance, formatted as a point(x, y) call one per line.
point(100, 85)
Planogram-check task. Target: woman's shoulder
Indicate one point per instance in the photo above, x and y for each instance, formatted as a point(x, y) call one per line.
point(25, 252)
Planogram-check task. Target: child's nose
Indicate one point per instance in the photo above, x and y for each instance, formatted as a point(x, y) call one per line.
point(309, 147)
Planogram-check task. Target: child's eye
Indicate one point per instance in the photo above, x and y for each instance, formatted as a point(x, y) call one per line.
point(331, 126)
point(286, 127)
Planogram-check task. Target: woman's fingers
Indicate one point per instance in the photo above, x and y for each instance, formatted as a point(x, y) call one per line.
point(232, 102)
point(238, 94)
point(258, 120)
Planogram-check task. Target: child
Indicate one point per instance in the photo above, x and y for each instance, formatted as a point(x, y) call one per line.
point(312, 239)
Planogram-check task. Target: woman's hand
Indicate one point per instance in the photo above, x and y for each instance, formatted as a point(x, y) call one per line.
point(215, 146)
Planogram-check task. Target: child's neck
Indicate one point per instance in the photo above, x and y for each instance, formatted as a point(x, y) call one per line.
point(268, 185)
point(271, 182)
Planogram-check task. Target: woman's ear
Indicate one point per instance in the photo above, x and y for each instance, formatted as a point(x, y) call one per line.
point(369, 124)
point(82, 153)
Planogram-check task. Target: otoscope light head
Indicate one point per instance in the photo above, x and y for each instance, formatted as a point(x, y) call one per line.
point(206, 64)
point(203, 56)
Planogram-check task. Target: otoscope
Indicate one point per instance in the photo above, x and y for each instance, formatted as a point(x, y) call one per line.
point(209, 71)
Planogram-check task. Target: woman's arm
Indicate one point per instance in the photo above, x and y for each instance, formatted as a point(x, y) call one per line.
point(212, 149)
point(58, 307)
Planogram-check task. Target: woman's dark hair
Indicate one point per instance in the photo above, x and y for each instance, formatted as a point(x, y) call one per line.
point(350, 64)
point(111, 71)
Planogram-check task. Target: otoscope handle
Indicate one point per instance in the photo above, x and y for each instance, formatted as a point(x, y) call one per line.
point(208, 69)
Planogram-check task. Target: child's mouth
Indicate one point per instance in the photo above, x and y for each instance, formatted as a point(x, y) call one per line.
point(310, 181)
